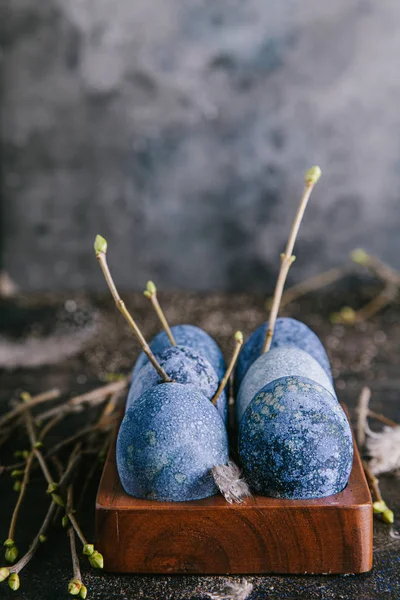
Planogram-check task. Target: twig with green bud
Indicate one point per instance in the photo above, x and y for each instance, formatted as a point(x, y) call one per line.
point(379, 505)
point(18, 410)
point(287, 257)
point(238, 345)
point(12, 573)
point(100, 246)
point(151, 294)
point(11, 554)
point(75, 585)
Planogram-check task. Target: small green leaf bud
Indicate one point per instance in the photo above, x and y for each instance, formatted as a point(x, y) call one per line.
point(38, 445)
point(17, 473)
point(239, 337)
point(52, 487)
point(359, 256)
point(388, 516)
point(96, 560)
point(65, 521)
point(42, 538)
point(13, 581)
point(312, 175)
point(17, 486)
point(57, 500)
point(83, 592)
point(74, 587)
point(151, 288)
point(11, 554)
point(9, 543)
point(25, 454)
point(379, 507)
point(4, 574)
point(25, 396)
point(88, 549)
point(100, 245)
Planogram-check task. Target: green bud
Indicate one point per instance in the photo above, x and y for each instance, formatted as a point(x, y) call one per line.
point(57, 500)
point(83, 592)
point(17, 473)
point(25, 454)
point(379, 507)
point(11, 554)
point(9, 543)
point(96, 560)
point(88, 549)
point(388, 516)
point(347, 315)
point(25, 396)
point(18, 453)
point(239, 337)
point(74, 587)
point(151, 288)
point(4, 574)
point(38, 445)
point(65, 521)
point(100, 245)
point(313, 174)
point(17, 486)
point(42, 538)
point(52, 487)
point(13, 581)
point(359, 256)
point(147, 294)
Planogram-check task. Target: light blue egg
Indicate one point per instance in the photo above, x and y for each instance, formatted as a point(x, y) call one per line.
point(288, 332)
point(279, 362)
point(168, 442)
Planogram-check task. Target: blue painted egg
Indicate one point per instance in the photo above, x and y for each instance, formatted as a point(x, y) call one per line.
point(288, 332)
point(192, 337)
point(183, 365)
point(295, 441)
point(169, 440)
point(279, 362)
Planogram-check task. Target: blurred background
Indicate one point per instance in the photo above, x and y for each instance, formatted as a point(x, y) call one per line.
point(180, 131)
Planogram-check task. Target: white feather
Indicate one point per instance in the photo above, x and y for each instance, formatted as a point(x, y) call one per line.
point(233, 590)
point(384, 450)
point(230, 483)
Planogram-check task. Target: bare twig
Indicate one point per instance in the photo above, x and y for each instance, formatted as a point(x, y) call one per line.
point(287, 257)
point(24, 485)
point(151, 293)
point(34, 401)
point(311, 284)
point(100, 247)
point(382, 419)
point(362, 413)
point(231, 366)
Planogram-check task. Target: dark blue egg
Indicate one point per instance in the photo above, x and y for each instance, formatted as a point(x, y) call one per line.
point(169, 440)
point(295, 441)
point(288, 332)
point(192, 337)
point(183, 365)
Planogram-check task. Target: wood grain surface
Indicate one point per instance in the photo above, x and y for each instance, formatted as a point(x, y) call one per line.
point(210, 536)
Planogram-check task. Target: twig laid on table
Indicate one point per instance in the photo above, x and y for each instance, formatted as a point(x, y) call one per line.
point(92, 398)
point(11, 573)
point(31, 403)
point(312, 284)
point(379, 505)
point(75, 585)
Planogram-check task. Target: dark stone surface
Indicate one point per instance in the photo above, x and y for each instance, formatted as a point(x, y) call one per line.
point(366, 354)
point(181, 132)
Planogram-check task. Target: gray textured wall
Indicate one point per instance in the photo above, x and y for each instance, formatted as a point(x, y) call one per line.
point(181, 130)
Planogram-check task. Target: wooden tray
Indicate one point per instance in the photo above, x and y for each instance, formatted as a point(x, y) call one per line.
point(262, 535)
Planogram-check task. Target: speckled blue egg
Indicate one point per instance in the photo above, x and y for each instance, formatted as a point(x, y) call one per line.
point(288, 332)
point(191, 337)
point(169, 440)
point(183, 365)
point(276, 363)
point(295, 441)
